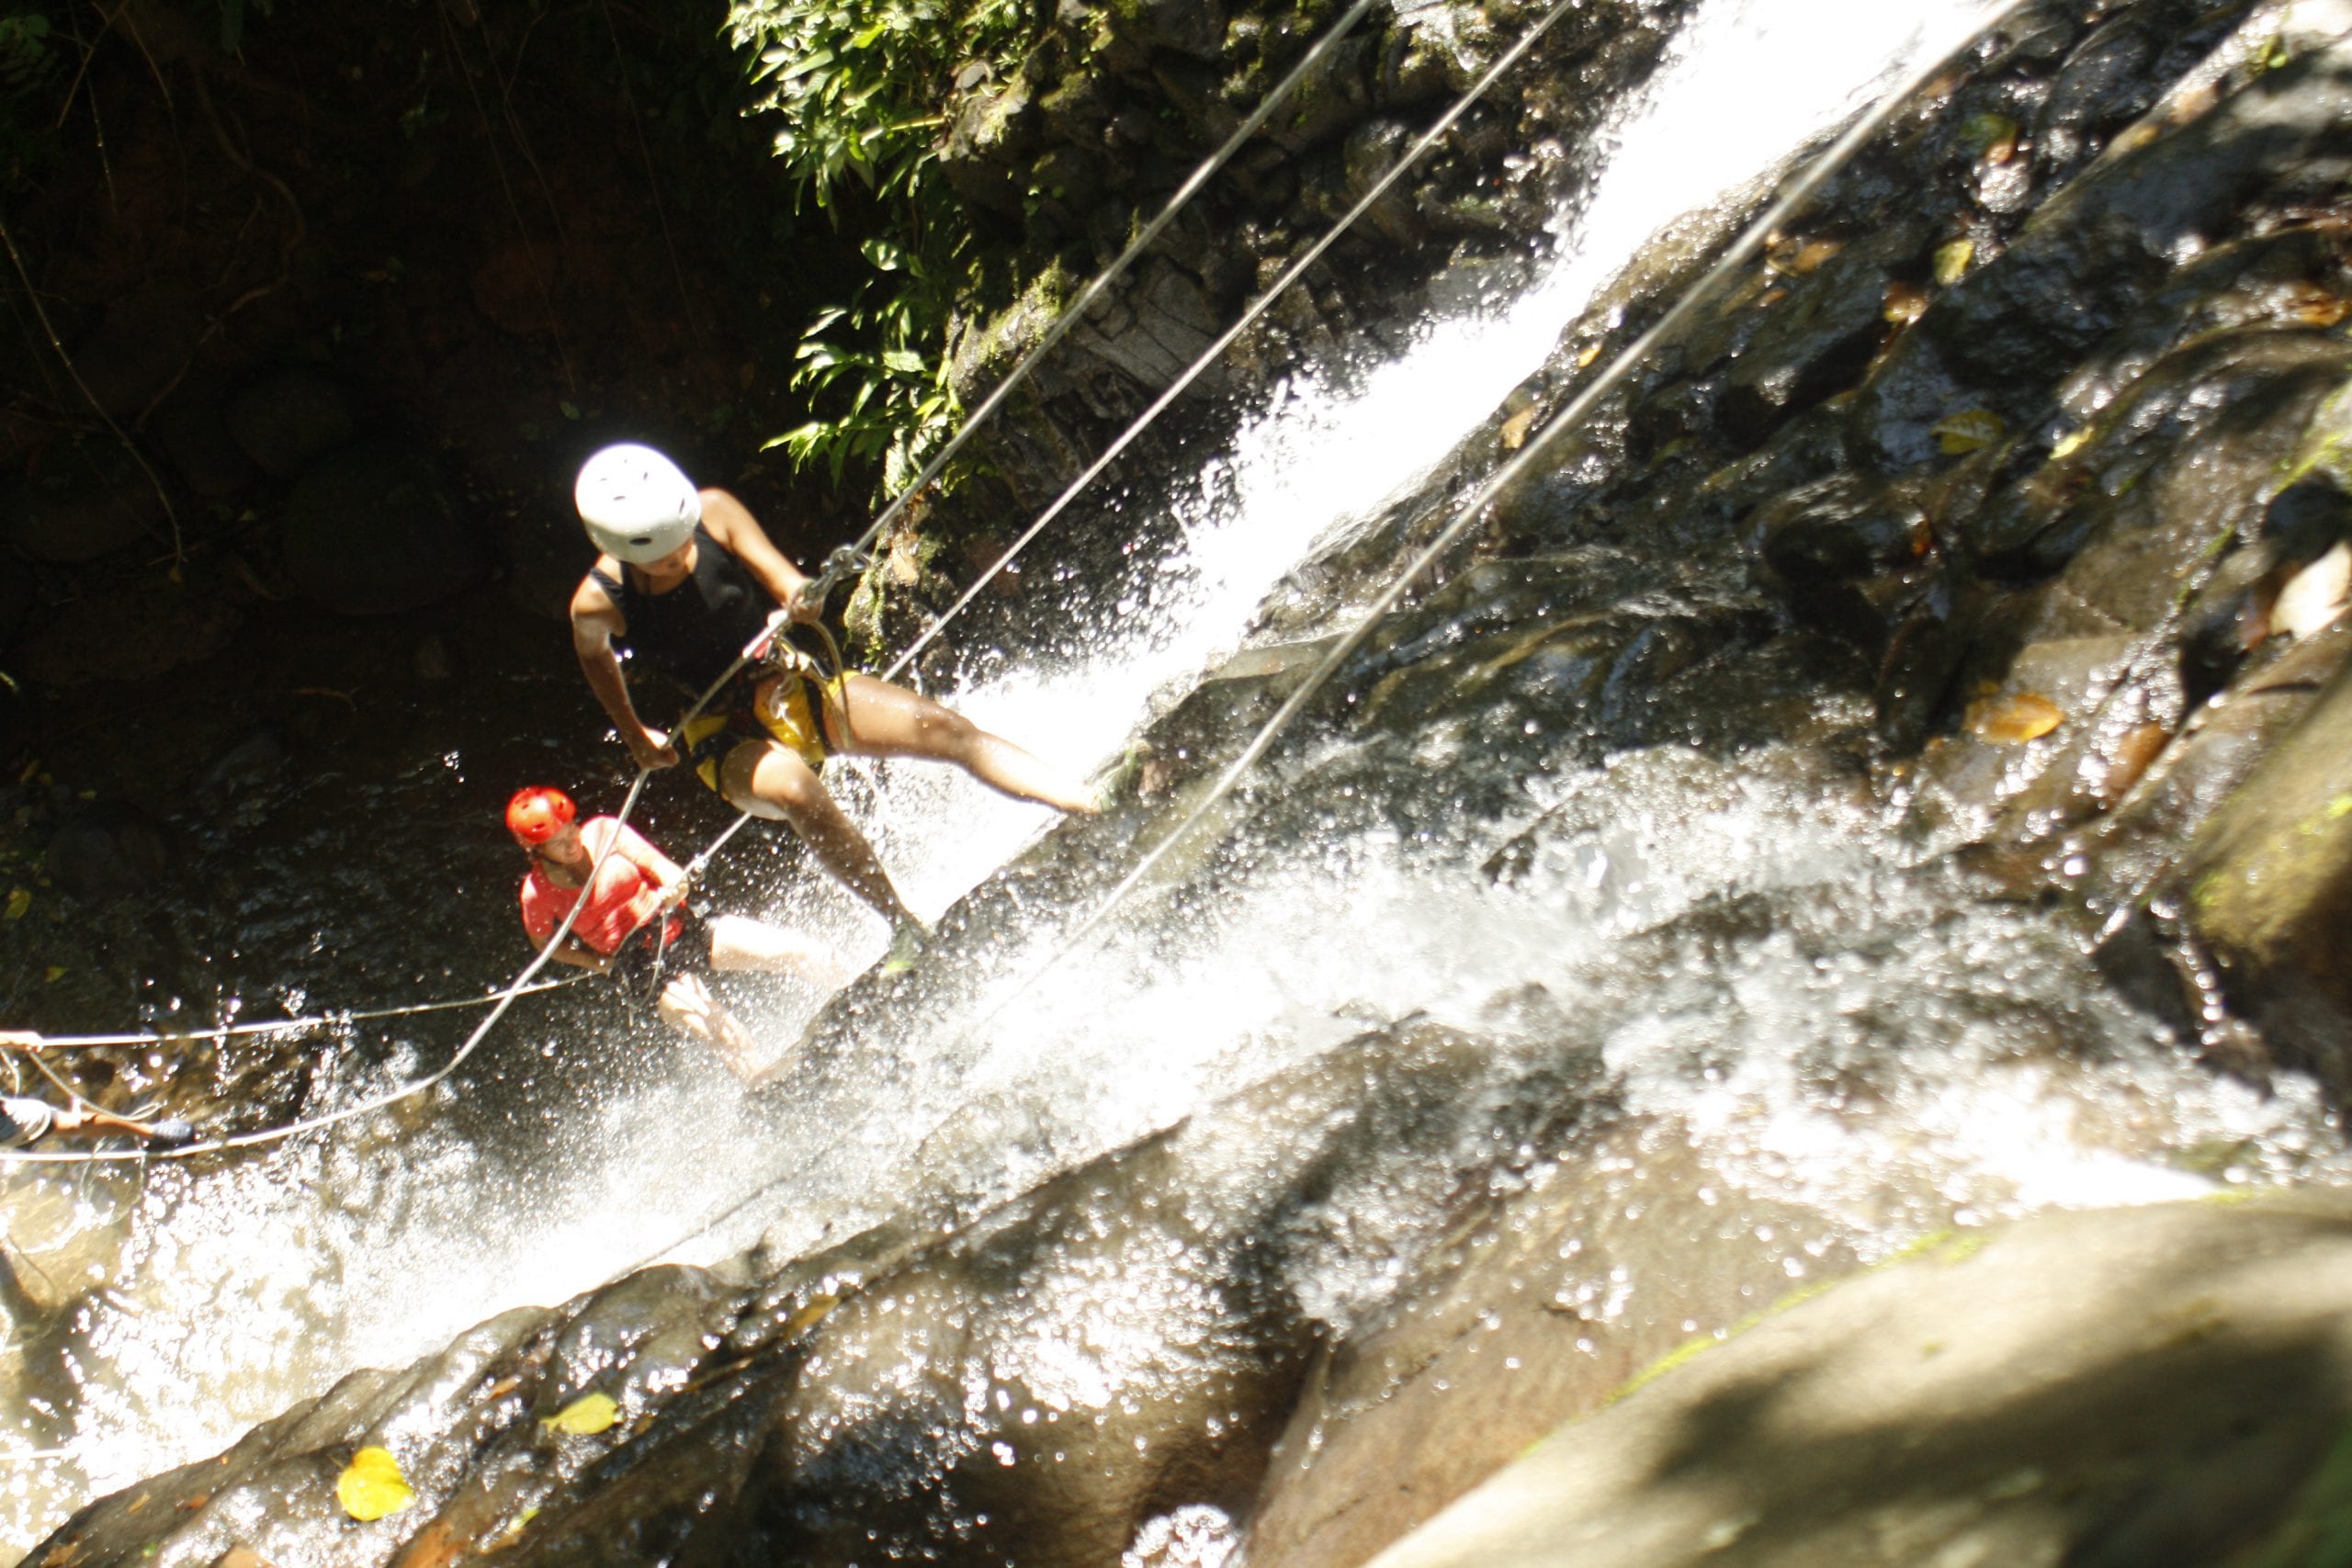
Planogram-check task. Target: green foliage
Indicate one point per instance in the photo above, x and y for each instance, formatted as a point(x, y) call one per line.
point(41, 47)
point(863, 88)
point(33, 59)
point(893, 405)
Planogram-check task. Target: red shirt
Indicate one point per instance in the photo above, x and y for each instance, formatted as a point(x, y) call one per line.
point(627, 890)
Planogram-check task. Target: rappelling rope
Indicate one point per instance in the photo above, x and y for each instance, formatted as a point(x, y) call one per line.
point(31, 1039)
point(520, 985)
point(1095, 290)
point(1264, 302)
point(844, 561)
point(1750, 242)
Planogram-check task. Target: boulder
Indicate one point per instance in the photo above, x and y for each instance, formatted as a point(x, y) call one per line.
point(289, 417)
point(369, 531)
point(2168, 1384)
point(85, 501)
point(191, 427)
point(2269, 883)
point(101, 859)
point(140, 345)
point(2002, 335)
point(129, 632)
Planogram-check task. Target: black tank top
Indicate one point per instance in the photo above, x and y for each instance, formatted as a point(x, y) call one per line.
point(694, 631)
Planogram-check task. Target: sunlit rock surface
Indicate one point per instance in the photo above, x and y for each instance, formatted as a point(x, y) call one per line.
point(1848, 746)
point(2160, 1386)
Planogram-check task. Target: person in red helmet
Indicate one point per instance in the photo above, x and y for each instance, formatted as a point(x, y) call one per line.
point(685, 579)
point(635, 919)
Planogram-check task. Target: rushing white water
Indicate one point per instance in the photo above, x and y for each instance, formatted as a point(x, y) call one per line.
point(245, 1290)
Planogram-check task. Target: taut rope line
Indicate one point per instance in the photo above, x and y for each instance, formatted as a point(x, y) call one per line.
point(841, 562)
point(1747, 245)
point(1259, 307)
point(1094, 291)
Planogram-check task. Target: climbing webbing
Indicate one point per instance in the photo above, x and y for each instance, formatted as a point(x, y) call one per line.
point(32, 1040)
point(1259, 307)
point(1144, 240)
point(1749, 243)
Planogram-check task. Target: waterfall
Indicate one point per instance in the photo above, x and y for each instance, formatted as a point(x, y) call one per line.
point(583, 1145)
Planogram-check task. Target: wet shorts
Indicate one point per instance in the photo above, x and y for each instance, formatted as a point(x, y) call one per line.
point(647, 962)
point(788, 707)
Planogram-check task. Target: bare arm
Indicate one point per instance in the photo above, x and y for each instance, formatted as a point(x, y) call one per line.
point(729, 521)
point(664, 872)
point(595, 621)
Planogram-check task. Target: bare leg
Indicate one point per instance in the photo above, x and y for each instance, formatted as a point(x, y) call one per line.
point(884, 720)
point(687, 1006)
point(766, 779)
point(738, 942)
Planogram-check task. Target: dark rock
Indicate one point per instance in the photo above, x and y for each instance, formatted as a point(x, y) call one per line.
point(2103, 85)
point(2101, 245)
point(1189, 27)
point(1848, 551)
point(369, 531)
point(1370, 151)
point(2295, 278)
point(100, 862)
point(193, 432)
point(140, 345)
point(2269, 890)
point(86, 501)
point(290, 417)
point(15, 598)
point(1821, 337)
point(139, 630)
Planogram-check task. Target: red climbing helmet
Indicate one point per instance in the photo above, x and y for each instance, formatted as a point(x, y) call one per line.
point(539, 813)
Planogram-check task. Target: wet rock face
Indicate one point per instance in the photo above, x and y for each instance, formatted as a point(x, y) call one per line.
point(1118, 102)
point(2023, 544)
point(2165, 1384)
point(1147, 1323)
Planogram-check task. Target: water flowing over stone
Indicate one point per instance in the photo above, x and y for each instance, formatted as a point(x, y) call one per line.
point(1796, 973)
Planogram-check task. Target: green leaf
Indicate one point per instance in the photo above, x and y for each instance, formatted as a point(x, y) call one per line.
point(806, 63)
point(906, 362)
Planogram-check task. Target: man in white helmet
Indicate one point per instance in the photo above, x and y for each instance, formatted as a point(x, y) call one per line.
point(685, 581)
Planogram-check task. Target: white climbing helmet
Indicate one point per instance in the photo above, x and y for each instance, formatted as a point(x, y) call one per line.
point(638, 504)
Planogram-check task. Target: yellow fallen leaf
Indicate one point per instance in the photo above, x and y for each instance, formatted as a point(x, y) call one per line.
point(1591, 353)
point(53, 974)
point(371, 1485)
point(1969, 431)
point(20, 900)
point(2319, 308)
point(1515, 428)
point(2014, 721)
point(588, 1415)
point(1904, 304)
point(2071, 443)
point(1951, 260)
